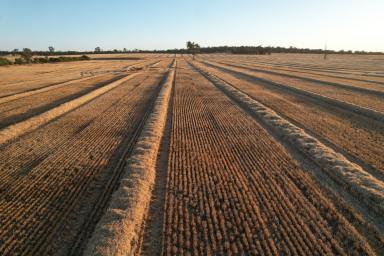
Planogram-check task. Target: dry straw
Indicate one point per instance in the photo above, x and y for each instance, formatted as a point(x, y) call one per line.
point(119, 229)
point(44, 89)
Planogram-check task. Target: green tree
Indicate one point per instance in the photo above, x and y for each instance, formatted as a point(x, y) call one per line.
point(15, 51)
point(51, 49)
point(193, 48)
point(27, 54)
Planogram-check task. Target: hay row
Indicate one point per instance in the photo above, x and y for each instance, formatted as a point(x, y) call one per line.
point(18, 129)
point(40, 90)
point(308, 78)
point(379, 116)
point(356, 180)
point(118, 231)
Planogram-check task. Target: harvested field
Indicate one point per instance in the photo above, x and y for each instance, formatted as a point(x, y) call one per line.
point(13, 111)
point(370, 83)
point(231, 189)
point(352, 84)
point(18, 79)
point(359, 136)
point(358, 79)
point(360, 65)
point(367, 99)
point(74, 168)
point(20, 106)
point(157, 154)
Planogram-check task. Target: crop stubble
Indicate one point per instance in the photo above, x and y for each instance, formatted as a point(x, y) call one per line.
point(371, 101)
point(233, 189)
point(43, 203)
point(230, 186)
point(358, 135)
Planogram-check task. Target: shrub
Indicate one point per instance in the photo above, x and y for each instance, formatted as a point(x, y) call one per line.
point(53, 59)
point(4, 61)
point(40, 60)
point(67, 59)
point(27, 54)
point(24, 60)
point(85, 57)
point(19, 61)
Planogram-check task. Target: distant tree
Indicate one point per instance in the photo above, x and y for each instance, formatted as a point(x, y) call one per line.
point(51, 49)
point(26, 54)
point(193, 48)
point(325, 52)
point(15, 51)
point(115, 50)
point(97, 50)
point(189, 45)
point(125, 50)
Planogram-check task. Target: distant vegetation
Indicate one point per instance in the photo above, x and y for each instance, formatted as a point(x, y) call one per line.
point(46, 59)
point(4, 61)
point(26, 56)
point(193, 48)
point(59, 59)
point(265, 50)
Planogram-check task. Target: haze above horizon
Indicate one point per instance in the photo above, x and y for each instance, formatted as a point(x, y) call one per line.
point(84, 25)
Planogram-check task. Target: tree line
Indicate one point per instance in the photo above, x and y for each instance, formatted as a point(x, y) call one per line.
point(266, 50)
point(191, 48)
point(26, 56)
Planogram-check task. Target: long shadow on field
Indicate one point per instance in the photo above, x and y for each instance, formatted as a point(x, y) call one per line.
point(36, 111)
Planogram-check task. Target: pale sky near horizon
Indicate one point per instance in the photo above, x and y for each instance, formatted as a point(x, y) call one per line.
point(168, 24)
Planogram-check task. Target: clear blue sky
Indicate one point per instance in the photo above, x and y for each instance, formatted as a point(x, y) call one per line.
point(164, 24)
